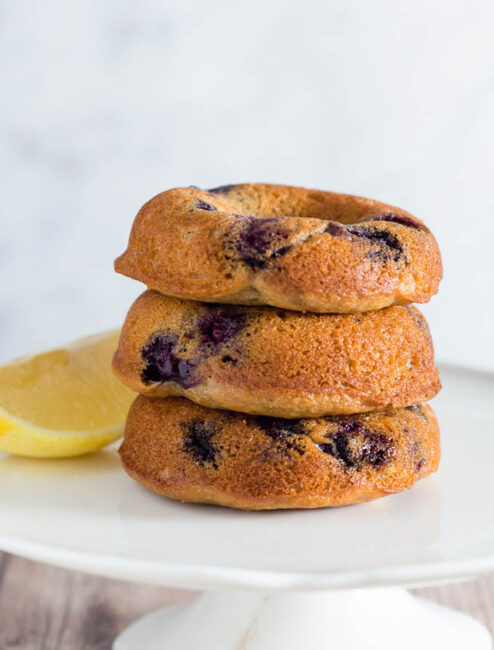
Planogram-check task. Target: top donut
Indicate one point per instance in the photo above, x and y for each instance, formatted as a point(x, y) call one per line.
point(289, 247)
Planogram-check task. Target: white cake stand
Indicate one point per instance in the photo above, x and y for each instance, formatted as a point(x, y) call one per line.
point(293, 580)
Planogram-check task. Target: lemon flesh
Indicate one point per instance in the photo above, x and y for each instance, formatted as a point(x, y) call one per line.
point(64, 402)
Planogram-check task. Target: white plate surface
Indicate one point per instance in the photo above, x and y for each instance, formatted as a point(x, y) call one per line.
point(87, 514)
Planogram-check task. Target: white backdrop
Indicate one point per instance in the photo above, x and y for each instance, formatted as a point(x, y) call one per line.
point(104, 104)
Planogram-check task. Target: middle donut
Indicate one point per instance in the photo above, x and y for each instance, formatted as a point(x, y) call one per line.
point(267, 361)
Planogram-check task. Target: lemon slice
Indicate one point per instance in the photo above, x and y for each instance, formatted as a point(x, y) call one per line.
point(65, 402)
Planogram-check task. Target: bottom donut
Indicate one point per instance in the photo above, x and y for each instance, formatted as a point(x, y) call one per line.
point(184, 451)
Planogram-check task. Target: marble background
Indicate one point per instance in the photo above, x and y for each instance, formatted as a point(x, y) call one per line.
point(105, 104)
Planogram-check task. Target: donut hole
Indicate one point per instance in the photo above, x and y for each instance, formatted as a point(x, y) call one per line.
point(270, 201)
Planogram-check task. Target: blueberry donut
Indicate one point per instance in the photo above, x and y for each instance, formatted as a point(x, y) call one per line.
point(289, 247)
point(187, 452)
point(268, 361)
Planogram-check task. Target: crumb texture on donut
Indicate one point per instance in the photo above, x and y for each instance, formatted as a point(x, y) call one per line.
point(268, 361)
point(185, 451)
point(289, 247)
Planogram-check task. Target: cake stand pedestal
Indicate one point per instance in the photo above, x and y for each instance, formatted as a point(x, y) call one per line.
point(367, 619)
point(328, 578)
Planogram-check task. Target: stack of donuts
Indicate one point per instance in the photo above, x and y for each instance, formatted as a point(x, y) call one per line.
point(278, 361)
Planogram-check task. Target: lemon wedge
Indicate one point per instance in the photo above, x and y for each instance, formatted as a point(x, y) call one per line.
point(65, 402)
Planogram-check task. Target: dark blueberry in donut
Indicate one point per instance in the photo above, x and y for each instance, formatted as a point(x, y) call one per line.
point(337, 229)
point(417, 408)
point(262, 240)
point(402, 219)
point(339, 447)
point(198, 441)
point(222, 189)
point(390, 245)
point(375, 448)
point(219, 327)
point(287, 432)
point(202, 205)
point(419, 464)
point(163, 365)
point(355, 446)
point(417, 453)
point(278, 428)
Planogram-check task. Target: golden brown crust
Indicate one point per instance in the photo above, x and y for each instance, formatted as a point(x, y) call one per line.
point(259, 244)
point(274, 362)
point(187, 452)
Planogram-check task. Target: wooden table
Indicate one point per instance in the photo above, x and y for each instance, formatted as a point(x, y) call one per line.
point(44, 608)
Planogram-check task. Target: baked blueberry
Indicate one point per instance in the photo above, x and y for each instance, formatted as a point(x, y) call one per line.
point(262, 240)
point(390, 245)
point(283, 430)
point(402, 219)
point(337, 229)
point(278, 428)
point(417, 408)
point(223, 189)
point(162, 364)
point(355, 446)
point(198, 441)
point(221, 326)
point(203, 205)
